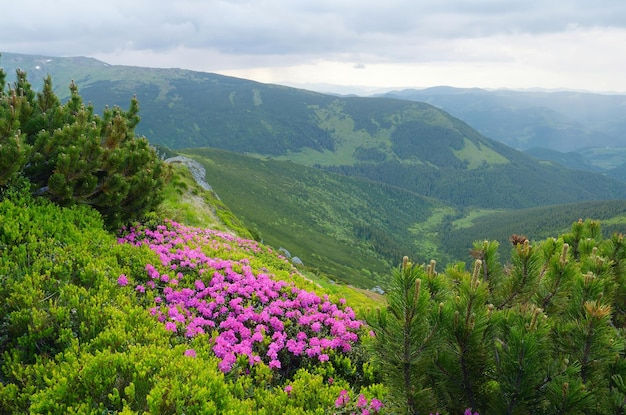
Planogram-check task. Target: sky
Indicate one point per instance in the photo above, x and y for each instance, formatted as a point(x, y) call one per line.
point(346, 46)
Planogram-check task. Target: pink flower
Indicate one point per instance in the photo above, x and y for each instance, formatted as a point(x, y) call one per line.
point(343, 399)
point(254, 315)
point(225, 366)
point(288, 390)
point(361, 402)
point(122, 280)
point(376, 405)
point(190, 353)
point(274, 364)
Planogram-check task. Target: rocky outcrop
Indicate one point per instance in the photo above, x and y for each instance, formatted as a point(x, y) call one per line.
point(197, 170)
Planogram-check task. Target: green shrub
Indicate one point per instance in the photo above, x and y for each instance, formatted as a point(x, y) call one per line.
point(72, 156)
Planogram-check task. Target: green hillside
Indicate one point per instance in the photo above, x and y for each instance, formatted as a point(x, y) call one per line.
point(459, 233)
point(411, 145)
point(557, 120)
point(340, 225)
point(349, 228)
point(581, 130)
point(79, 331)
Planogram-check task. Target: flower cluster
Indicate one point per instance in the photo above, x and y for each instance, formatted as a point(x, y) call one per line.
point(362, 405)
point(248, 312)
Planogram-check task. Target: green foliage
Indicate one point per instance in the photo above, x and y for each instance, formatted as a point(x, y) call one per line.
point(13, 148)
point(404, 330)
point(73, 341)
point(542, 335)
point(73, 156)
point(466, 329)
point(520, 348)
point(338, 225)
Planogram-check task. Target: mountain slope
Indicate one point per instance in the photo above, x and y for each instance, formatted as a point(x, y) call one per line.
point(411, 145)
point(352, 229)
point(562, 121)
point(407, 144)
point(459, 233)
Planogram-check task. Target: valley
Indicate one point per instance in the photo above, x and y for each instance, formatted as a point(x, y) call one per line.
point(352, 184)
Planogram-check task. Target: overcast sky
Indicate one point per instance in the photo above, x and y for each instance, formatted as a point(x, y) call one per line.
point(573, 44)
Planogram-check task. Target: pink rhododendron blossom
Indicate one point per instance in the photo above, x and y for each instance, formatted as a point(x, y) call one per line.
point(376, 405)
point(274, 364)
point(343, 399)
point(122, 280)
point(251, 312)
point(362, 401)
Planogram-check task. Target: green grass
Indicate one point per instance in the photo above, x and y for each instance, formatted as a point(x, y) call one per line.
point(337, 224)
point(477, 157)
point(468, 220)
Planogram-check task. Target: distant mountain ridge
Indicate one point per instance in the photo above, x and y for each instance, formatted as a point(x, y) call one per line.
point(410, 172)
point(413, 145)
point(562, 121)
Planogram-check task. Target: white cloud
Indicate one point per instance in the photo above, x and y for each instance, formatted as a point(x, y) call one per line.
point(485, 43)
